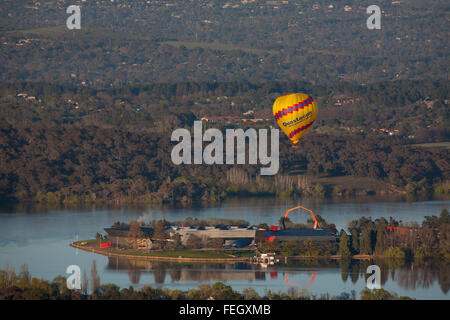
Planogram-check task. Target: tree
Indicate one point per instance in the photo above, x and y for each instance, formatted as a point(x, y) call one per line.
point(25, 273)
point(95, 278)
point(263, 226)
point(376, 294)
point(176, 243)
point(223, 292)
point(344, 245)
point(177, 295)
point(309, 249)
point(213, 242)
point(109, 292)
point(250, 294)
point(379, 245)
point(366, 242)
point(355, 241)
point(394, 252)
point(444, 218)
point(193, 242)
point(84, 283)
point(160, 235)
point(160, 231)
point(134, 234)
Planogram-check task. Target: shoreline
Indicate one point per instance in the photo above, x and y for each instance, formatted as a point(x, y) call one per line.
point(218, 260)
point(159, 258)
point(141, 203)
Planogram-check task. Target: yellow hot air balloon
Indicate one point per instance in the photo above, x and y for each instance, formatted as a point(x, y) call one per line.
point(295, 113)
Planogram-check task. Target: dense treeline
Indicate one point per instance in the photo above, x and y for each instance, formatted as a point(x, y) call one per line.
point(107, 163)
point(86, 163)
point(429, 241)
point(24, 287)
point(81, 144)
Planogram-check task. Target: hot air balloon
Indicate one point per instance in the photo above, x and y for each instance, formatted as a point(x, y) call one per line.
point(295, 113)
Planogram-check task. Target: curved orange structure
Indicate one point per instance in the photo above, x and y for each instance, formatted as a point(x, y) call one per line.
point(316, 224)
point(290, 283)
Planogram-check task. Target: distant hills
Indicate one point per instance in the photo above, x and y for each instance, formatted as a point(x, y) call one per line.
point(134, 42)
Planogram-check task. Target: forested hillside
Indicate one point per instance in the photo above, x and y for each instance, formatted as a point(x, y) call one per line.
point(123, 42)
point(77, 144)
point(86, 115)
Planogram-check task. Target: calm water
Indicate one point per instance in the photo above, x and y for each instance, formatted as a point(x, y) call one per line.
point(40, 238)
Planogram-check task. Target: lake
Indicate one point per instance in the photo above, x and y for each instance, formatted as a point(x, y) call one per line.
point(40, 238)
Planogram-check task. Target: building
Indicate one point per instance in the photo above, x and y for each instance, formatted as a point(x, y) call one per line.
point(233, 236)
point(299, 234)
point(265, 259)
point(118, 236)
point(224, 233)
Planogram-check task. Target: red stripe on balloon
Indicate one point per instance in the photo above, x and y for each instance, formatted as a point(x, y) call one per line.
point(294, 132)
point(280, 114)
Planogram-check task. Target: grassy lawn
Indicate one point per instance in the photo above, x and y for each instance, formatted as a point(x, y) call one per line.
point(213, 46)
point(90, 242)
point(62, 31)
point(349, 181)
point(185, 253)
point(443, 145)
point(242, 253)
point(203, 254)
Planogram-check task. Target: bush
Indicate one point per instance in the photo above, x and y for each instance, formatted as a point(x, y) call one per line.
point(423, 252)
point(193, 242)
point(377, 294)
point(394, 252)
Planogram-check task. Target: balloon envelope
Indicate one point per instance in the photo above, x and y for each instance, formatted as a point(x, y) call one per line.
point(295, 113)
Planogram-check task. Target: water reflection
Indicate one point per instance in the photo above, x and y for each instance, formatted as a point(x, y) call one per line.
point(40, 237)
point(187, 272)
point(33, 207)
point(423, 275)
point(409, 276)
point(134, 271)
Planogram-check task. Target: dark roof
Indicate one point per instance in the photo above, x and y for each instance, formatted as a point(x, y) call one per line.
point(127, 228)
point(305, 232)
point(240, 243)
